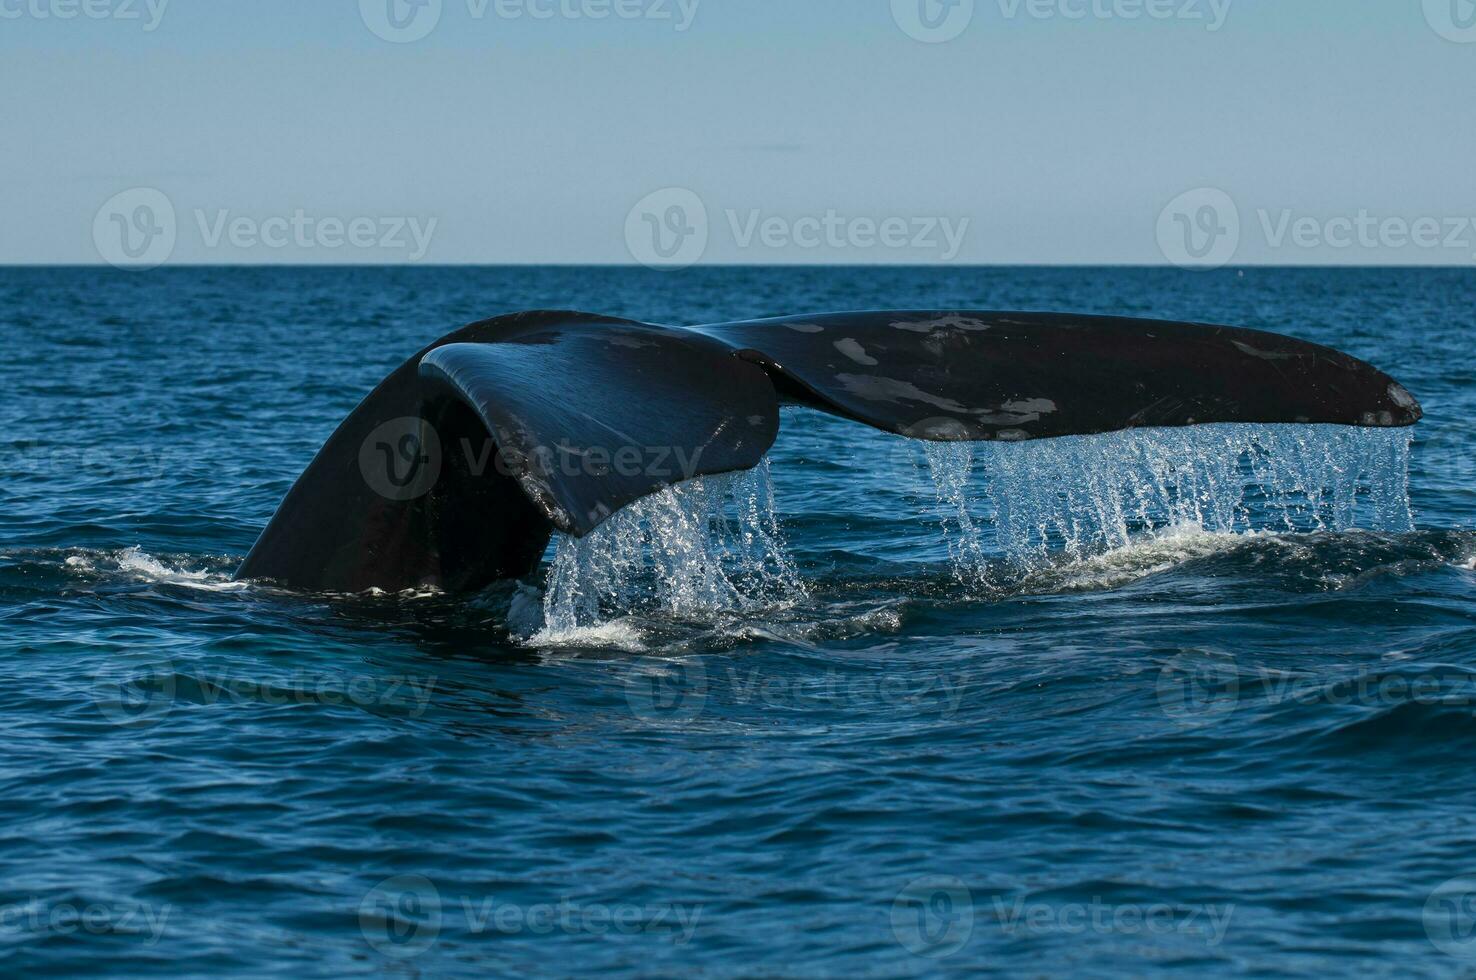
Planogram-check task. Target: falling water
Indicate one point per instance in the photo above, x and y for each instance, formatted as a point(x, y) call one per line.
point(699, 548)
point(1082, 494)
point(712, 547)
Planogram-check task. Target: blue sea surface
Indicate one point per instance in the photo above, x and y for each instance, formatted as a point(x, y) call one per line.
point(1235, 751)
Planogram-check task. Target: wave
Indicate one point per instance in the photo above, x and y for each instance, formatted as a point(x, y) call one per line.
point(1154, 553)
point(59, 567)
point(138, 564)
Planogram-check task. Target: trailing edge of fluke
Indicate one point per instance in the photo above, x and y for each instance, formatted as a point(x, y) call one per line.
point(457, 469)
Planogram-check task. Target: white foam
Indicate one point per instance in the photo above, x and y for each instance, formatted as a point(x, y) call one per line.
point(620, 634)
point(1157, 551)
point(146, 567)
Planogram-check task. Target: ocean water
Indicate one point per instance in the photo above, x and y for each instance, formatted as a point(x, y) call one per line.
point(1154, 704)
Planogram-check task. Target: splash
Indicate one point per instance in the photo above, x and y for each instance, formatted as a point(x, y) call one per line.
point(951, 465)
point(1082, 495)
point(141, 566)
point(702, 548)
point(1080, 512)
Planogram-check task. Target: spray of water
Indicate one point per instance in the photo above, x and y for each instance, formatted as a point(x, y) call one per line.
point(1081, 495)
point(710, 548)
point(706, 547)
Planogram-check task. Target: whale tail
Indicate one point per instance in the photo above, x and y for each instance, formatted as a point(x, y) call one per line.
point(457, 469)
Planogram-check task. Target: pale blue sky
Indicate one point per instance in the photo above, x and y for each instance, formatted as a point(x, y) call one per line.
point(1057, 140)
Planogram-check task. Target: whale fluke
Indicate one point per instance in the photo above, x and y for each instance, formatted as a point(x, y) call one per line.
point(457, 469)
point(588, 421)
point(949, 376)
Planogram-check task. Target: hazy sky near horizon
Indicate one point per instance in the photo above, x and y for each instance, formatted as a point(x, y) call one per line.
point(749, 131)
